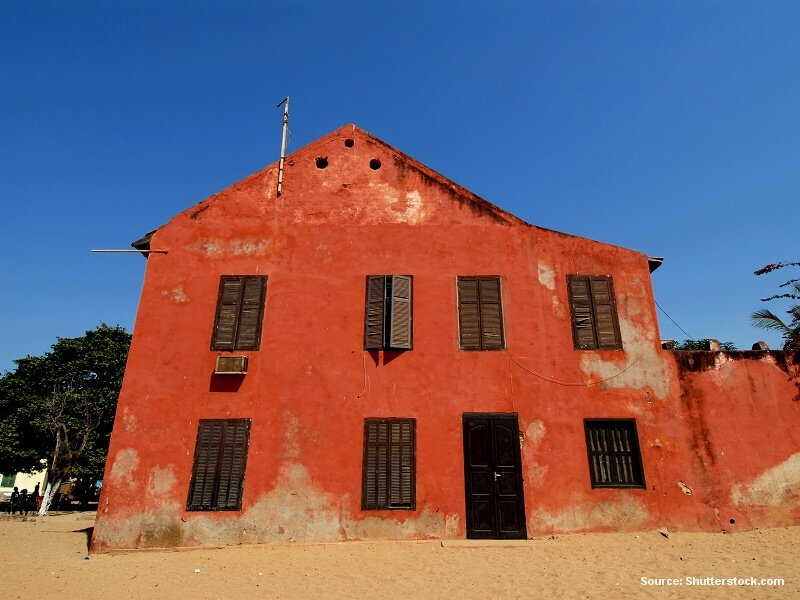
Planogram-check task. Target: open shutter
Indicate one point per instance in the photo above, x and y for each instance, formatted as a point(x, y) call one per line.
point(251, 313)
point(491, 314)
point(400, 328)
point(469, 323)
point(583, 332)
point(605, 313)
point(227, 318)
point(375, 312)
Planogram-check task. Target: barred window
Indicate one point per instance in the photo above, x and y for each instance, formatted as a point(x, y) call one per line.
point(614, 456)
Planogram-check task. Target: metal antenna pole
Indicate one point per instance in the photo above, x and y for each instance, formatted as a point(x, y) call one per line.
point(285, 103)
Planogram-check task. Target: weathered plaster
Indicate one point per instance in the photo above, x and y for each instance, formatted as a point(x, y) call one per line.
point(126, 461)
point(624, 513)
point(773, 487)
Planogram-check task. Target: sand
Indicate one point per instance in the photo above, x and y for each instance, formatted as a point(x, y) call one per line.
point(47, 557)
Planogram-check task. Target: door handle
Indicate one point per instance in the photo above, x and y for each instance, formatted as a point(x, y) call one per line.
point(497, 475)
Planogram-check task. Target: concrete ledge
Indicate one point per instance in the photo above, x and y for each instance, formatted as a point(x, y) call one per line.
point(485, 543)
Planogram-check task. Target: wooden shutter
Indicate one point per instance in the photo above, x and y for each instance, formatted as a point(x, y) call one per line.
point(233, 460)
point(374, 313)
point(206, 458)
point(594, 314)
point(614, 456)
point(388, 480)
point(226, 321)
point(582, 318)
point(248, 336)
point(400, 328)
point(469, 320)
point(480, 313)
point(219, 465)
point(401, 474)
point(605, 314)
point(240, 311)
point(491, 314)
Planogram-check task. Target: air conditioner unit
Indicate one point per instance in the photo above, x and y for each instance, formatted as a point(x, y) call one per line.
point(231, 365)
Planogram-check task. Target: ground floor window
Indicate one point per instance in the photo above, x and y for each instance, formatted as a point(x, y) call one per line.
point(614, 456)
point(388, 480)
point(220, 458)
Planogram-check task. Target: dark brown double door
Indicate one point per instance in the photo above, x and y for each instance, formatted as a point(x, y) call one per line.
point(493, 477)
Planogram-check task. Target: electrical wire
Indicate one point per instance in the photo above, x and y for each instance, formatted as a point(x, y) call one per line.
point(673, 321)
point(569, 384)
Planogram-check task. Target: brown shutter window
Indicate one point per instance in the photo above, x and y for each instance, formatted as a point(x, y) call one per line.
point(388, 479)
point(240, 312)
point(388, 313)
point(480, 313)
point(615, 459)
point(595, 325)
point(220, 459)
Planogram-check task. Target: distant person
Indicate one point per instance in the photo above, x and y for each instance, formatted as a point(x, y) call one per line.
point(14, 500)
point(37, 499)
point(23, 501)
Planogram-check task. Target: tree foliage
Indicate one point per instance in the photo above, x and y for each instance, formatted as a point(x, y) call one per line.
point(703, 345)
point(766, 319)
point(59, 407)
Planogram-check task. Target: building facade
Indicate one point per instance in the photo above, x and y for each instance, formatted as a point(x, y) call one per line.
point(378, 353)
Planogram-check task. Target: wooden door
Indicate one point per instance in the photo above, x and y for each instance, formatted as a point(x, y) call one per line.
point(493, 477)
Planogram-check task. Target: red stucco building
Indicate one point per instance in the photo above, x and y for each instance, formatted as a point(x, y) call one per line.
point(378, 353)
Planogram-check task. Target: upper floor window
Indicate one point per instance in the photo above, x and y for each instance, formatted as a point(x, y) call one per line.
point(387, 318)
point(480, 313)
point(594, 312)
point(240, 310)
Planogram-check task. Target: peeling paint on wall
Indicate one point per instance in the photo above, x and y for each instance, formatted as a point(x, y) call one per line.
point(625, 513)
point(547, 276)
point(773, 487)
point(233, 247)
point(125, 463)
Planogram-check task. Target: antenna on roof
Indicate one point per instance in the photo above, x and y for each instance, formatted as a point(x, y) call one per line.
point(285, 103)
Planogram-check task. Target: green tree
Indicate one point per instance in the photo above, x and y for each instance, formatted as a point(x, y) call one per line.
point(703, 345)
point(59, 407)
point(766, 319)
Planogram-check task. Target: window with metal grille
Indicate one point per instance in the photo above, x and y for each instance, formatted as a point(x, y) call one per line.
point(387, 319)
point(388, 481)
point(594, 312)
point(240, 310)
point(614, 456)
point(220, 458)
point(480, 313)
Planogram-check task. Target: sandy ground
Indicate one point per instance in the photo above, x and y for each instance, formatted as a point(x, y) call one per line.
point(47, 557)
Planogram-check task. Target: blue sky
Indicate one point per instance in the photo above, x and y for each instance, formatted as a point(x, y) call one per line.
point(672, 128)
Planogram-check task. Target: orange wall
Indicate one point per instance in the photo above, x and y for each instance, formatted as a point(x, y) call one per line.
point(311, 384)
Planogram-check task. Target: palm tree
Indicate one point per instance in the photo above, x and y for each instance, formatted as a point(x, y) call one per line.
point(766, 319)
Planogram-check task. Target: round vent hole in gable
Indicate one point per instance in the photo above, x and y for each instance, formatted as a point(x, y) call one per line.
point(349, 142)
point(322, 162)
point(374, 164)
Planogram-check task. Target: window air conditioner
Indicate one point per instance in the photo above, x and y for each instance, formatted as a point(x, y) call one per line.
point(231, 365)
